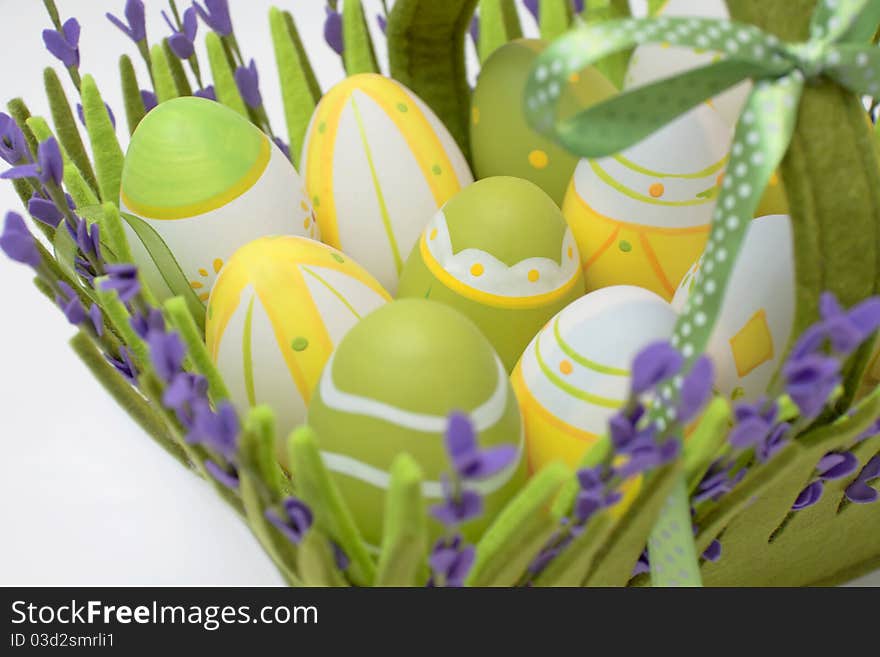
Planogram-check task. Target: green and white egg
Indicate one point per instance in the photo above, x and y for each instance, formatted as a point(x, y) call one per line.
point(206, 181)
point(501, 253)
point(757, 314)
point(388, 389)
point(502, 141)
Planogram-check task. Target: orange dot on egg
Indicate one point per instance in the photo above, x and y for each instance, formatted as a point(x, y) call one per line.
point(566, 367)
point(306, 222)
point(204, 296)
point(196, 285)
point(203, 272)
point(656, 190)
point(570, 253)
point(539, 159)
point(720, 179)
point(218, 265)
point(477, 269)
point(534, 276)
point(304, 206)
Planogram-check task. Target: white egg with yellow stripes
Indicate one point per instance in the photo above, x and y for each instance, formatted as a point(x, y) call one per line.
point(279, 308)
point(378, 164)
point(575, 374)
point(757, 315)
point(205, 181)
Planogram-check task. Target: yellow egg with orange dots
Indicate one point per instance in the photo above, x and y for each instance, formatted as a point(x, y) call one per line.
point(277, 311)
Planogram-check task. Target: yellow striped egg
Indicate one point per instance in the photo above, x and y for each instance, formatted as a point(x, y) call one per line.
point(277, 311)
point(575, 374)
point(204, 180)
point(378, 164)
point(642, 217)
point(756, 319)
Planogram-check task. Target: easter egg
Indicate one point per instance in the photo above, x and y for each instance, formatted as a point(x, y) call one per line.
point(574, 376)
point(279, 308)
point(377, 164)
point(642, 217)
point(389, 388)
point(502, 254)
point(757, 314)
point(502, 142)
point(656, 61)
point(206, 181)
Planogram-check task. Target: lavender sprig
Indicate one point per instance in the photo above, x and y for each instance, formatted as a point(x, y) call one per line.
point(64, 45)
point(135, 28)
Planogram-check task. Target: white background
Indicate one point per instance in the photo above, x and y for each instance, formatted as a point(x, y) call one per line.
point(85, 497)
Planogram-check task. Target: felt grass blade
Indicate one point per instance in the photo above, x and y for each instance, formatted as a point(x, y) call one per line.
point(520, 531)
point(296, 87)
point(120, 319)
point(112, 231)
point(131, 94)
point(79, 190)
point(67, 128)
point(167, 265)
point(359, 55)
point(65, 255)
point(224, 78)
point(402, 559)
point(614, 67)
point(426, 53)
point(23, 190)
point(303, 56)
point(316, 562)
point(178, 74)
point(499, 24)
point(593, 457)
point(316, 488)
point(20, 112)
point(105, 146)
point(706, 441)
point(124, 394)
point(163, 79)
point(554, 18)
point(180, 316)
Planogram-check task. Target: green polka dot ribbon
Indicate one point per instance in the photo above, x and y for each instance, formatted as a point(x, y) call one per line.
point(838, 48)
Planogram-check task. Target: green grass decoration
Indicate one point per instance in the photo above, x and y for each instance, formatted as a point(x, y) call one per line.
point(499, 24)
point(613, 67)
point(105, 146)
point(66, 126)
point(297, 91)
point(131, 94)
point(316, 562)
point(20, 113)
point(707, 440)
point(181, 82)
point(224, 79)
point(113, 231)
point(120, 319)
point(554, 18)
point(359, 55)
point(571, 566)
point(80, 191)
point(163, 78)
point(303, 56)
point(405, 543)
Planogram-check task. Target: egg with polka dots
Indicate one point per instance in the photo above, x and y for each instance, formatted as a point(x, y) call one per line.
point(204, 180)
point(642, 217)
point(378, 163)
point(501, 253)
point(279, 308)
point(502, 142)
point(756, 317)
point(575, 374)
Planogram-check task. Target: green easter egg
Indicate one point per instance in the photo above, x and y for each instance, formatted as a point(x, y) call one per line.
point(501, 253)
point(502, 142)
point(388, 389)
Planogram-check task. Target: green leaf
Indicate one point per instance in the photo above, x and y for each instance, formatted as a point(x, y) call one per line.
point(183, 321)
point(67, 128)
point(224, 78)
point(20, 112)
point(316, 488)
point(706, 441)
point(131, 94)
point(303, 56)
point(105, 147)
point(167, 265)
point(402, 560)
point(114, 234)
point(554, 18)
point(358, 56)
point(295, 75)
point(163, 78)
point(499, 24)
point(80, 191)
point(520, 531)
point(181, 82)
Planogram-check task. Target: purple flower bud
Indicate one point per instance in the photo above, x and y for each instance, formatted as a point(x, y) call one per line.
point(451, 561)
point(153, 321)
point(185, 389)
point(713, 552)
point(642, 566)
point(97, 319)
point(70, 304)
point(295, 520)
point(533, 7)
point(207, 93)
point(182, 41)
point(18, 243)
point(383, 23)
point(247, 79)
point(696, 390)
point(124, 365)
point(13, 146)
point(474, 30)
point(123, 279)
point(810, 381)
point(82, 117)
point(340, 557)
point(88, 238)
point(333, 30)
point(456, 511)
point(148, 98)
point(216, 430)
point(223, 475)
point(469, 461)
point(808, 496)
point(860, 491)
point(166, 353)
point(50, 161)
point(657, 362)
point(64, 45)
point(837, 465)
point(775, 441)
point(283, 147)
point(45, 211)
point(135, 26)
point(216, 16)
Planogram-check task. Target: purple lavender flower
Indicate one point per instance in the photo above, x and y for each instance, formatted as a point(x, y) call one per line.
point(97, 319)
point(383, 23)
point(713, 552)
point(333, 30)
point(182, 40)
point(70, 304)
point(775, 441)
point(295, 522)
point(717, 482)
point(451, 561)
point(144, 324)
point(848, 330)
point(655, 363)
point(469, 461)
point(13, 147)
point(647, 455)
point(642, 566)
point(340, 557)
point(282, 146)
point(227, 476)
point(578, 6)
point(808, 496)
point(18, 243)
point(533, 7)
point(184, 391)
point(474, 30)
point(216, 16)
point(810, 380)
point(124, 365)
point(82, 117)
point(49, 167)
point(592, 495)
point(88, 238)
point(135, 26)
point(149, 99)
point(837, 465)
point(207, 93)
point(166, 353)
point(695, 390)
point(860, 491)
point(247, 79)
point(45, 211)
point(457, 510)
point(64, 45)
point(123, 279)
point(217, 430)
point(754, 422)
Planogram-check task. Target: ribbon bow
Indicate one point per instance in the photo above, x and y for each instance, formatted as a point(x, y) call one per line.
point(838, 48)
